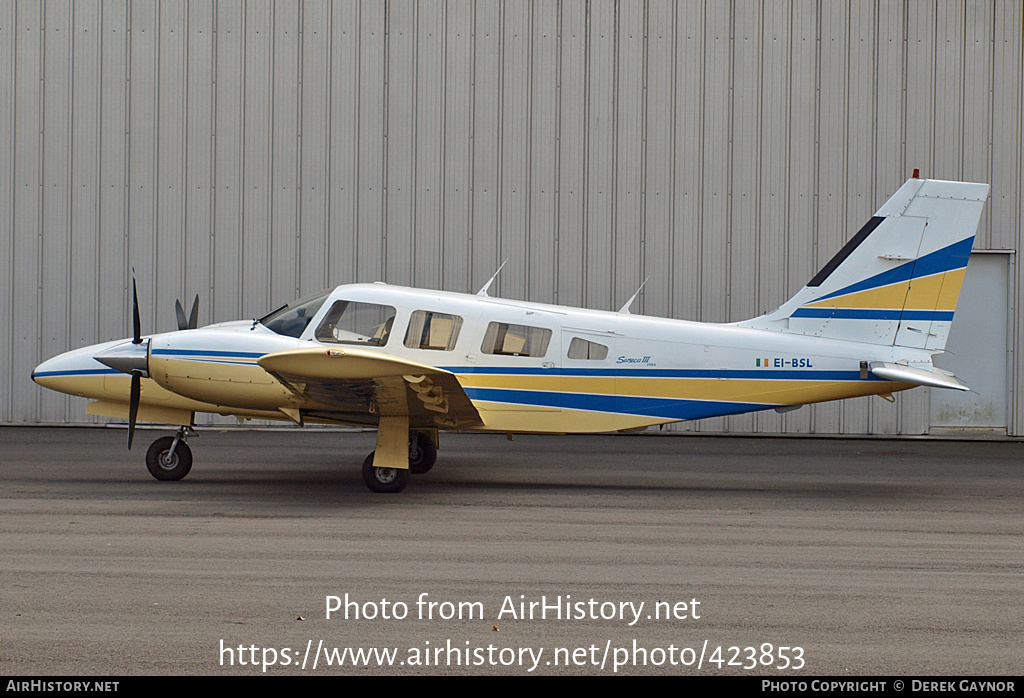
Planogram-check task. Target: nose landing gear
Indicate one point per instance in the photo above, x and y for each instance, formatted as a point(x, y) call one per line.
point(169, 457)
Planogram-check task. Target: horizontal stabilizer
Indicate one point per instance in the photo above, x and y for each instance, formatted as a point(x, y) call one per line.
point(902, 373)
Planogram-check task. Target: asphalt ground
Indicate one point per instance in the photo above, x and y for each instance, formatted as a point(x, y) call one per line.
point(806, 557)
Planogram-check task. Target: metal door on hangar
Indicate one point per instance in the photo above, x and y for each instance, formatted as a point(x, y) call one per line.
point(977, 350)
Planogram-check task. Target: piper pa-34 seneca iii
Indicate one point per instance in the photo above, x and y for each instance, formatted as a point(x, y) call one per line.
point(414, 362)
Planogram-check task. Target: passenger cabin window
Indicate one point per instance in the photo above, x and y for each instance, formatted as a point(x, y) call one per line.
point(352, 322)
point(437, 331)
point(582, 349)
point(515, 340)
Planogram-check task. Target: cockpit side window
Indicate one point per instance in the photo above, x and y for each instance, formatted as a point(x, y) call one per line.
point(353, 322)
point(436, 331)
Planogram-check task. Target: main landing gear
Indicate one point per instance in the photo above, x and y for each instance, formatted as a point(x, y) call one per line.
point(169, 457)
point(422, 456)
point(422, 453)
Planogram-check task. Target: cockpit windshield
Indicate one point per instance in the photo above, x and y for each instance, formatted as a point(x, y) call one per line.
point(292, 319)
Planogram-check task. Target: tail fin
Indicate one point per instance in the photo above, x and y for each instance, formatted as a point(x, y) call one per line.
point(897, 281)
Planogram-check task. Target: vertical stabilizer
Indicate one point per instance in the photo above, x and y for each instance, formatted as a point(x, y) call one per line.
point(897, 281)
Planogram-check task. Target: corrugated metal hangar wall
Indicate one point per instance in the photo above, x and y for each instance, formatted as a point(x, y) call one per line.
point(254, 152)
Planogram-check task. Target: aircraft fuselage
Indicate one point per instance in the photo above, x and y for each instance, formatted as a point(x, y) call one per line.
point(526, 367)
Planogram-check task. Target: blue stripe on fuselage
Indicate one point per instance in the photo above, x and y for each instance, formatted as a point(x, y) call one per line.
point(667, 408)
point(875, 314)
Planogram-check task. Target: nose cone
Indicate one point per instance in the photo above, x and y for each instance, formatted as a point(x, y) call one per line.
point(76, 372)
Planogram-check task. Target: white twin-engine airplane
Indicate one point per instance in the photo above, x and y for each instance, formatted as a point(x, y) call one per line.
point(414, 362)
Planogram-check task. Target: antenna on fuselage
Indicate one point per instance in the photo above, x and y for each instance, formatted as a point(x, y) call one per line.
point(483, 291)
point(625, 309)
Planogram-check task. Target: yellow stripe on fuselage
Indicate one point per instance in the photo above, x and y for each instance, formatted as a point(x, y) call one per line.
point(502, 417)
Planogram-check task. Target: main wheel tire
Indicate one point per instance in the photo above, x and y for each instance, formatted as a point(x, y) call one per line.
point(422, 453)
point(173, 467)
point(384, 480)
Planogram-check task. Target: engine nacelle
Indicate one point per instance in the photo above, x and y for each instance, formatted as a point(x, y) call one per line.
point(195, 364)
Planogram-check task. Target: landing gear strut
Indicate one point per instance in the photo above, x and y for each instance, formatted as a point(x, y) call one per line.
point(169, 457)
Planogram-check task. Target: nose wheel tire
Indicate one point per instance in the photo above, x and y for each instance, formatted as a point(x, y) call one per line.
point(384, 480)
point(164, 465)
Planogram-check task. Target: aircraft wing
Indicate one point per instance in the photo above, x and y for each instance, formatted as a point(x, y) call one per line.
point(363, 384)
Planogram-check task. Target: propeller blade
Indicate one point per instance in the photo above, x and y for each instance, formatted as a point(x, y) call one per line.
point(136, 322)
point(193, 317)
point(133, 406)
point(179, 313)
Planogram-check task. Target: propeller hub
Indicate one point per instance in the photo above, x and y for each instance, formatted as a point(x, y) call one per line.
point(128, 357)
